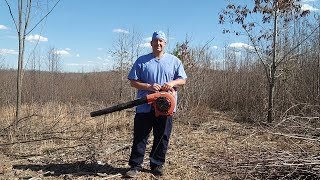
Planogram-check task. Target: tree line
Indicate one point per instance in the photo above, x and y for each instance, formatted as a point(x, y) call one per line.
point(278, 75)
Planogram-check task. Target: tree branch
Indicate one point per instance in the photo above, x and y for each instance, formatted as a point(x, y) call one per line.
point(43, 18)
point(14, 21)
point(313, 31)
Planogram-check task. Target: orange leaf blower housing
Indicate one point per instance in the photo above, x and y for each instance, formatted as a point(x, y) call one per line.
point(162, 102)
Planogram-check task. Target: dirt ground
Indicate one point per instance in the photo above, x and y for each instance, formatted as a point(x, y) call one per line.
point(211, 145)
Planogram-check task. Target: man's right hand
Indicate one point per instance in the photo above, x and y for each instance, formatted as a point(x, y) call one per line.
point(154, 87)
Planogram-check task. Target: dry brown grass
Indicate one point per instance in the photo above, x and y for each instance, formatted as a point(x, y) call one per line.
point(61, 141)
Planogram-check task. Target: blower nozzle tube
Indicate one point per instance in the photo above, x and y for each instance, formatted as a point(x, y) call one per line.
point(119, 107)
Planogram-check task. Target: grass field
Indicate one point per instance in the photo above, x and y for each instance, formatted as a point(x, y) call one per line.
point(57, 141)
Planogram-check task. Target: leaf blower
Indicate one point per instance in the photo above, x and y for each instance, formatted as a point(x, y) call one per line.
point(163, 103)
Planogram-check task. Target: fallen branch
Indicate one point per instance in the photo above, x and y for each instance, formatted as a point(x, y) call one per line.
point(295, 137)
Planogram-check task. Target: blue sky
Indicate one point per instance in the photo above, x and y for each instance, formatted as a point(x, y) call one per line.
point(83, 32)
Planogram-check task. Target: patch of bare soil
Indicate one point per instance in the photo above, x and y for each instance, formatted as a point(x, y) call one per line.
point(208, 145)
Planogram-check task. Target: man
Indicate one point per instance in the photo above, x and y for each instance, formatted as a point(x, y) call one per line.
point(151, 73)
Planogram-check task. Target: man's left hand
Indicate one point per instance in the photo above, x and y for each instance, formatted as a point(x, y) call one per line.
point(167, 86)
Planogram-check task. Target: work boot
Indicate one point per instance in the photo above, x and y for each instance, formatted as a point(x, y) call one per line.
point(157, 170)
point(131, 173)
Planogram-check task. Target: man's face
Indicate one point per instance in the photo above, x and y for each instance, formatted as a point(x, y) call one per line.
point(158, 45)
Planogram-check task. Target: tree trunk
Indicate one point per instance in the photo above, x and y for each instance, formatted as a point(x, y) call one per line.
point(273, 68)
point(20, 66)
point(270, 100)
point(318, 70)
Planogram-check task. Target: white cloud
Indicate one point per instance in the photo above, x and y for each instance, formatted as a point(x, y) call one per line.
point(101, 64)
point(8, 51)
point(77, 55)
point(240, 46)
point(148, 39)
point(78, 64)
point(120, 31)
point(3, 27)
point(36, 37)
point(214, 47)
point(62, 52)
point(100, 49)
point(147, 44)
point(88, 64)
point(305, 7)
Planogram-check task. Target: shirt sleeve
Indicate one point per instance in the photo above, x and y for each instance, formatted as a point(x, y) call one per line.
point(180, 73)
point(134, 72)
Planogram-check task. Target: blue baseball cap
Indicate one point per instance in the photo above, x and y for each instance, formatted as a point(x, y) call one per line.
point(159, 35)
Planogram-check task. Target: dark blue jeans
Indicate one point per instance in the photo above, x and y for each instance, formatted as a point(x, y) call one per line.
point(143, 124)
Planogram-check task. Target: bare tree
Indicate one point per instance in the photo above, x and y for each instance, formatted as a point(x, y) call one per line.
point(54, 67)
point(121, 55)
point(53, 60)
point(264, 34)
point(125, 50)
point(23, 28)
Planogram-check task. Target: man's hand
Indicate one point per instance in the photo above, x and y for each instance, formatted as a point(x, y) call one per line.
point(167, 86)
point(154, 87)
